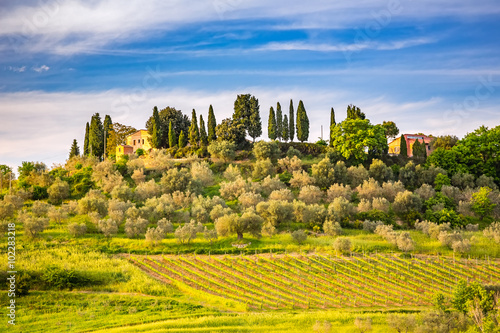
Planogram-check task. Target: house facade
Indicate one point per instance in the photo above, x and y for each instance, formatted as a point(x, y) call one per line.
point(394, 145)
point(139, 140)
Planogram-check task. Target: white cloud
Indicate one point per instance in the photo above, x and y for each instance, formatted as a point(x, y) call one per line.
point(17, 69)
point(41, 69)
point(75, 26)
point(41, 126)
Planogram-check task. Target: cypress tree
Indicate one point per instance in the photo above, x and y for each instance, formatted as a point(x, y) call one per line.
point(182, 140)
point(155, 129)
point(291, 119)
point(74, 151)
point(255, 123)
point(284, 133)
point(302, 123)
point(172, 140)
point(271, 127)
point(242, 109)
point(353, 112)
point(96, 136)
point(403, 148)
point(194, 132)
point(212, 123)
point(203, 132)
point(86, 149)
point(332, 126)
point(279, 121)
point(108, 128)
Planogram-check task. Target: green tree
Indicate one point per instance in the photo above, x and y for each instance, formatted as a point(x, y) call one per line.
point(353, 112)
point(291, 118)
point(74, 151)
point(444, 141)
point(279, 121)
point(182, 140)
point(419, 150)
point(86, 146)
point(180, 122)
point(203, 132)
point(357, 140)
point(232, 130)
point(302, 123)
point(271, 126)
point(194, 132)
point(96, 136)
point(333, 123)
point(284, 131)
point(172, 139)
point(118, 136)
point(155, 133)
point(391, 130)
point(481, 203)
point(403, 148)
point(212, 124)
point(255, 123)
point(242, 109)
point(234, 224)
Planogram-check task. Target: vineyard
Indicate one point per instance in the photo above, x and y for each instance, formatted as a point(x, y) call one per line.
point(319, 281)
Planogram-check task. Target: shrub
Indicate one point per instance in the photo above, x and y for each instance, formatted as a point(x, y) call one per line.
point(122, 192)
point(94, 201)
point(57, 215)
point(138, 176)
point(155, 235)
point(270, 184)
point(301, 179)
point(407, 205)
point(493, 231)
point(310, 194)
point(283, 194)
point(291, 152)
point(135, 227)
point(210, 234)
point(440, 181)
point(58, 191)
point(391, 189)
point(472, 227)
point(17, 201)
point(462, 180)
point(250, 199)
point(108, 227)
point(339, 190)
point(425, 192)
point(222, 150)
point(323, 173)
point(364, 206)
point(60, 278)
point(341, 209)
point(342, 245)
point(77, 229)
point(379, 171)
point(6, 210)
point(200, 171)
point(232, 173)
point(299, 236)
point(40, 208)
point(313, 215)
point(461, 246)
point(263, 168)
point(275, 212)
point(176, 180)
point(357, 175)
point(268, 229)
point(340, 173)
point(486, 181)
point(188, 231)
point(363, 324)
point(404, 242)
point(381, 204)
point(219, 211)
point(291, 165)
point(33, 225)
point(370, 226)
point(332, 228)
point(369, 190)
point(232, 190)
point(263, 150)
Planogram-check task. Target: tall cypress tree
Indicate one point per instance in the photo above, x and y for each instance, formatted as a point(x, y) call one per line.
point(255, 123)
point(74, 151)
point(302, 123)
point(332, 126)
point(403, 148)
point(194, 132)
point(242, 109)
point(203, 132)
point(86, 150)
point(172, 140)
point(212, 123)
point(96, 136)
point(182, 140)
point(156, 139)
point(284, 130)
point(108, 128)
point(271, 127)
point(291, 118)
point(279, 121)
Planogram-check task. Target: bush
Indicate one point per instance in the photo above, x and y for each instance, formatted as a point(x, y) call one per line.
point(370, 226)
point(94, 201)
point(275, 212)
point(291, 152)
point(263, 168)
point(77, 229)
point(342, 245)
point(291, 165)
point(232, 173)
point(222, 150)
point(493, 232)
point(341, 209)
point(357, 175)
point(188, 231)
point(299, 236)
point(301, 179)
point(270, 184)
point(407, 205)
point(33, 225)
point(135, 227)
point(138, 176)
point(155, 235)
point(338, 190)
point(40, 208)
point(57, 215)
point(200, 171)
point(472, 227)
point(379, 171)
point(369, 189)
point(310, 194)
point(263, 150)
point(323, 173)
point(283, 194)
point(60, 278)
point(250, 199)
point(108, 227)
point(332, 228)
point(58, 191)
point(176, 180)
point(425, 192)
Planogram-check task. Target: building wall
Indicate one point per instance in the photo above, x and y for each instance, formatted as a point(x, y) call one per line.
point(140, 139)
point(394, 146)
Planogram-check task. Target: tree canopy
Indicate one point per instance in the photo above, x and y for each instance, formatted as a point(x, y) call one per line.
point(302, 123)
point(180, 122)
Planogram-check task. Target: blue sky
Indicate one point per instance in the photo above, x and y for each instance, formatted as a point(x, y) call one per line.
point(430, 66)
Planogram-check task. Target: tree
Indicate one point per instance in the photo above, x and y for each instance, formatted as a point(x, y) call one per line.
point(172, 139)
point(222, 149)
point(391, 130)
point(96, 136)
point(118, 136)
point(86, 148)
point(242, 110)
point(180, 122)
point(299, 236)
point(255, 123)
point(212, 123)
point(481, 203)
point(302, 123)
point(403, 148)
point(182, 140)
point(279, 121)
point(419, 150)
point(357, 140)
point(58, 191)
point(155, 133)
point(444, 141)
point(194, 132)
point(353, 112)
point(332, 125)
point(74, 151)
point(342, 245)
point(234, 224)
point(291, 118)
point(232, 130)
point(271, 127)
point(284, 130)
point(107, 129)
point(203, 132)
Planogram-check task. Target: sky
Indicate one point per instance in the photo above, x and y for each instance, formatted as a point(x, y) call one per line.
point(429, 66)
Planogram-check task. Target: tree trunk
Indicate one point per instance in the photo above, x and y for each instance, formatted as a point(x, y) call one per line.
point(240, 235)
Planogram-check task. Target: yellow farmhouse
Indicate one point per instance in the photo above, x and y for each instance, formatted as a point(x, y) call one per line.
point(140, 139)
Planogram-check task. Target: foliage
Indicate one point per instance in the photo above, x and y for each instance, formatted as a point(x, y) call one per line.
point(194, 131)
point(299, 236)
point(180, 122)
point(342, 245)
point(444, 141)
point(323, 173)
point(231, 130)
point(481, 203)
point(212, 124)
point(272, 131)
point(182, 140)
point(403, 147)
point(407, 205)
point(391, 130)
point(302, 123)
point(77, 229)
point(353, 112)
point(266, 150)
point(263, 168)
point(222, 149)
point(291, 119)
